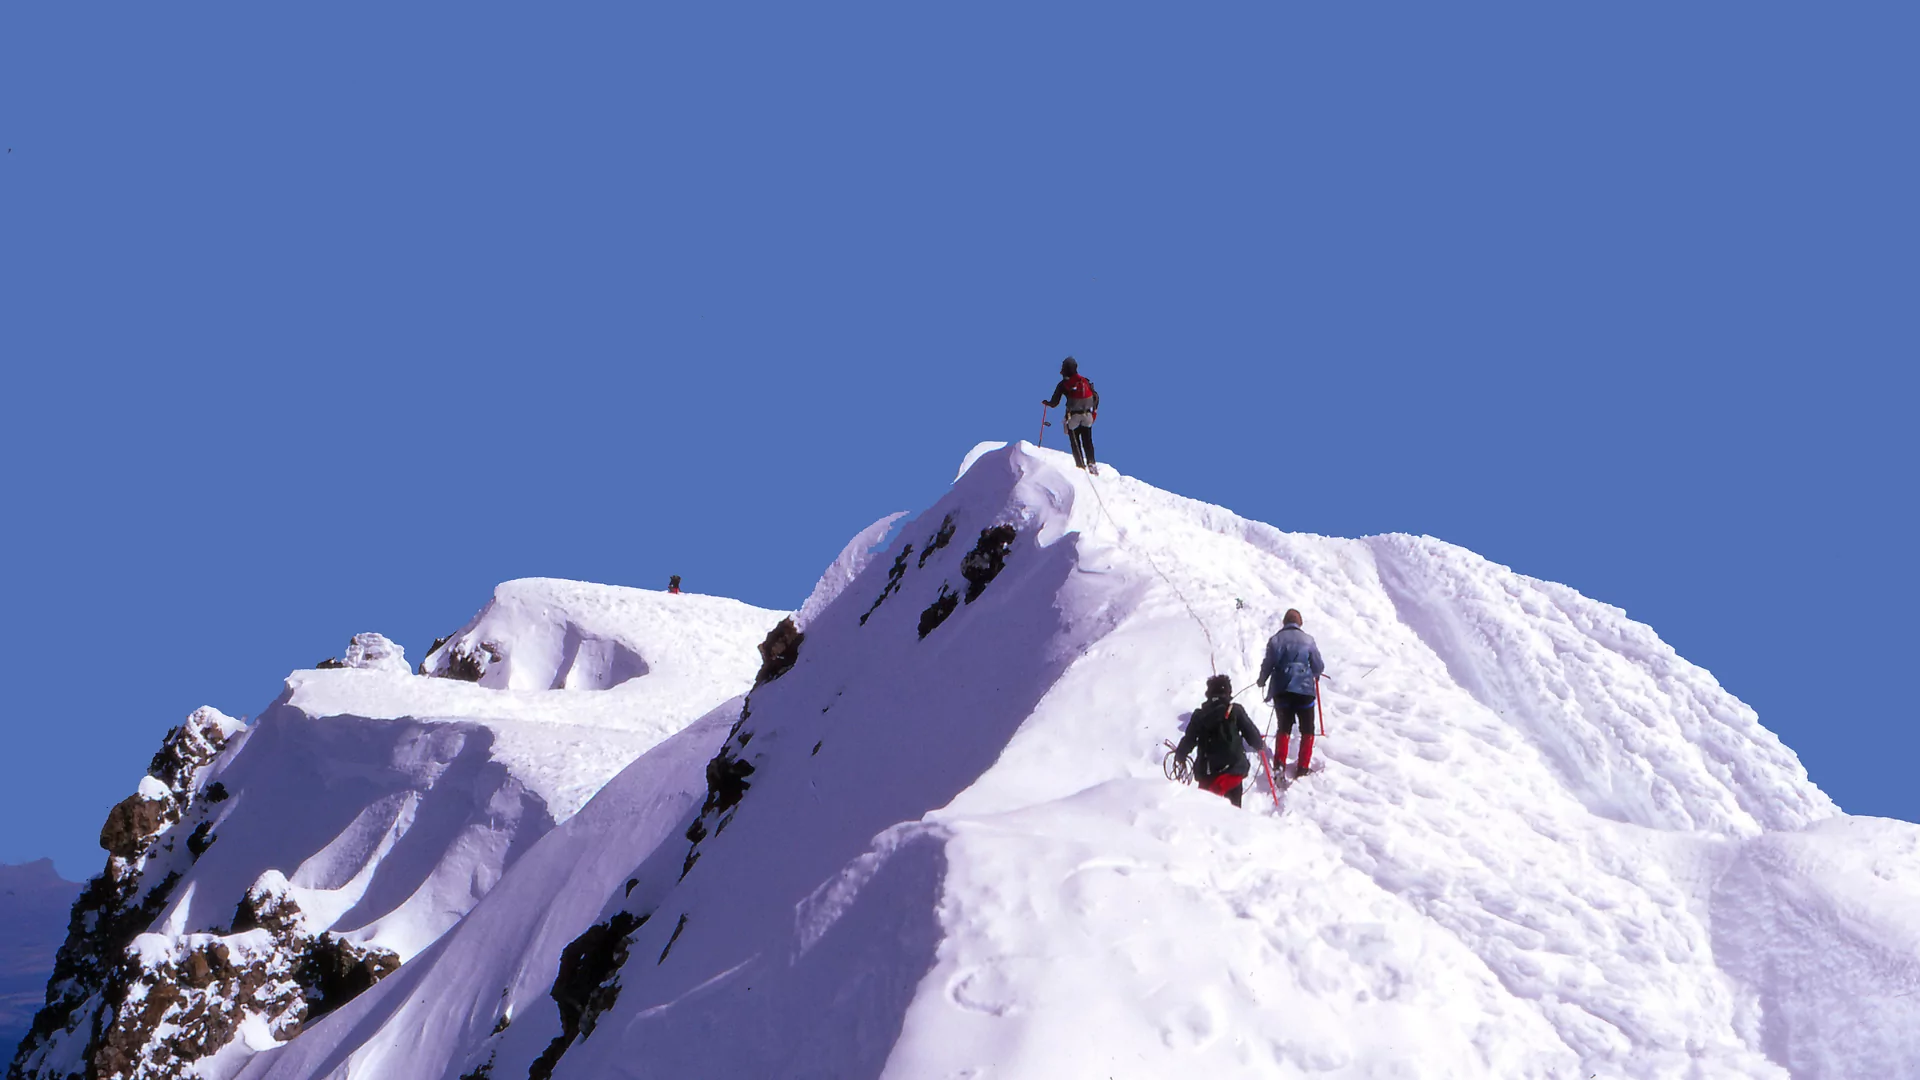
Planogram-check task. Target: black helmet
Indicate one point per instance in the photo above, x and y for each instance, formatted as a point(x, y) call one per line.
point(1069, 366)
point(1219, 686)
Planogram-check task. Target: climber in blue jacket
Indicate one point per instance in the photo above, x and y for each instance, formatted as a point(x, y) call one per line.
point(1293, 664)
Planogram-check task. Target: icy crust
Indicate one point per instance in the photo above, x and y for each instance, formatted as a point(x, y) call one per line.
point(1539, 844)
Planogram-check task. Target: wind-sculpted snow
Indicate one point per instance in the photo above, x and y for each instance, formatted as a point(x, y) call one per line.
point(1538, 843)
point(280, 869)
point(548, 634)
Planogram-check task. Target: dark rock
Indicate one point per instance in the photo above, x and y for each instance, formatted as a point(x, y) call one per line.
point(671, 938)
point(269, 908)
point(938, 540)
point(202, 839)
point(336, 971)
point(185, 750)
point(987, 559)
point(431, 649)
point(131, 826)
point(468, 665)
point(726, 781)
point(937, 612)
point(329, 663)
point(586, 984)
point(894, 575)
point(779, 651)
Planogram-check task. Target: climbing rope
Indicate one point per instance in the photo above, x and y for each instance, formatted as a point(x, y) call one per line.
point(1212, 665)
point(1184, 602)
point(1174, 765)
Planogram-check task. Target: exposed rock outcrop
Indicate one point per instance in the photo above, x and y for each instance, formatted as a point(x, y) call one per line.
point(780, 651)
point(93, 972)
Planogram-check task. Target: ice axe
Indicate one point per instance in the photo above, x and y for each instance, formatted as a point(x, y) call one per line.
point(1044, 423)
point(1267, 763)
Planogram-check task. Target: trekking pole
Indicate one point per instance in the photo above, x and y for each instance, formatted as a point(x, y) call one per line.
point(1044, 425)
point(1319, 708)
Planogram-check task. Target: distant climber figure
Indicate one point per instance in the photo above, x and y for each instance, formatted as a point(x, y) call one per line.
point(1219, 728)
point(1083, 407)
point(673, 585)
point(1293, 663)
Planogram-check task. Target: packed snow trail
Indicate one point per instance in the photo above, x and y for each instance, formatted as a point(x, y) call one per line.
point(1544, 845)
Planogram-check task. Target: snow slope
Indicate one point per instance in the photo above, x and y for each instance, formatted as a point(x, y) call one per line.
point(1539, 844)
point(382, 804)
point(34, 900)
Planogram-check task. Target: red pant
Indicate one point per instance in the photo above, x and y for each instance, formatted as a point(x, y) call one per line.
point(1225, 785)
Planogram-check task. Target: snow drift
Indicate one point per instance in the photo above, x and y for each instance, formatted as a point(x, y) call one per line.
point(265, 874)
point(1541, 843)
point(940, 844)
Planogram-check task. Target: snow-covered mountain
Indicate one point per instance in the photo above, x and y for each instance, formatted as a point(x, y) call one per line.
point(264, 874)
point(936, 839)
point(34, 902)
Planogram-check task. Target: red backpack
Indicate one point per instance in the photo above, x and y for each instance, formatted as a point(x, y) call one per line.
point(1079, 387)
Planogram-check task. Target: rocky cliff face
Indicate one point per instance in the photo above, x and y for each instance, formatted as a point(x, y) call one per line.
point(150, 838)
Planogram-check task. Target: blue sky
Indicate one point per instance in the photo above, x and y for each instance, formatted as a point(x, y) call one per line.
point(320, 321)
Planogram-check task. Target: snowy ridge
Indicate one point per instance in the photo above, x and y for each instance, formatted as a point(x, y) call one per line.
point(1541, 843)
point(366, 811)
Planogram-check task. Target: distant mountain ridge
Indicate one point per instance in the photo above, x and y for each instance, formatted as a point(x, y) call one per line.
point(34, 903)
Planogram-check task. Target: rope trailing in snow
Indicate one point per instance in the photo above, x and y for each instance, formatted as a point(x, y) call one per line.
point(1198, 621)
point(1212, 667)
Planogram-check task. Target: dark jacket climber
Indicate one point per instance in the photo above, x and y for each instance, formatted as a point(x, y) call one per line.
point(1083, 407)
point(673, 584)
point(1293, 663)
point(1219, 728)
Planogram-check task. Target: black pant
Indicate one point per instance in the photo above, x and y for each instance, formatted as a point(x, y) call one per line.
point(1290, 706)
point(1081, 439)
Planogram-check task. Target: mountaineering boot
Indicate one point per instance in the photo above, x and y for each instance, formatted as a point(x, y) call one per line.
point(1306, 754)
point(1280, 744)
